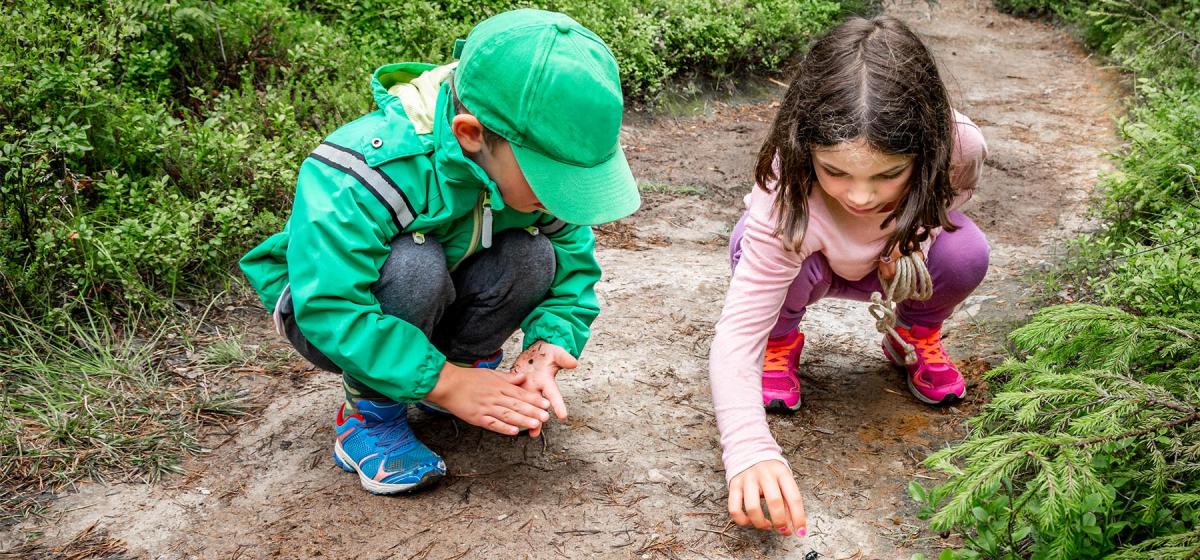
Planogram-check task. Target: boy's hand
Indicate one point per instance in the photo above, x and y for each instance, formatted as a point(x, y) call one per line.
point(489, 399)
point(539, 364)
point(773, 481)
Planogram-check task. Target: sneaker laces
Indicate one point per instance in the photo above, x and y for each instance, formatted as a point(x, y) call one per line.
point(929, 346)
point(776, 358)
point(391, 434)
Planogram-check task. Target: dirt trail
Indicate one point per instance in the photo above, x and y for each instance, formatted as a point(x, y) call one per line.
point(636, 471)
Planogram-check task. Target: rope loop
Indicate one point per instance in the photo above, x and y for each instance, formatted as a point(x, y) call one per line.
point(911, 282)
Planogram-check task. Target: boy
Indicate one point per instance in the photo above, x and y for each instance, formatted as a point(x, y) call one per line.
point(425, 233)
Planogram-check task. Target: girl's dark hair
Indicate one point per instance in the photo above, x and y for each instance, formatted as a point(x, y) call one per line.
point(871, 79)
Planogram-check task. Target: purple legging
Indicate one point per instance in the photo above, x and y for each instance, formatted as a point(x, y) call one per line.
point(957, 263)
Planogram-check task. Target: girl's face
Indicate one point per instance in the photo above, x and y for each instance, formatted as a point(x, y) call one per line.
point(862, 179)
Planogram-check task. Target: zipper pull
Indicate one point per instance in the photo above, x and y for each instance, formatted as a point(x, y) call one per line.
point(485, 237)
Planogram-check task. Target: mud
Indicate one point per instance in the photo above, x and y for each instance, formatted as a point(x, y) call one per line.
point(635, 472)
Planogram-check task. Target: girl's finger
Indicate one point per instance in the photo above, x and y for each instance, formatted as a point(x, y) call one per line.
point(753, 501)
point(735, 505)
point(795, 506)
point(775, 505)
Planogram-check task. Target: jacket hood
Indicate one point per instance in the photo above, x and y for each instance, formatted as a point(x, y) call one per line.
point(422, 93)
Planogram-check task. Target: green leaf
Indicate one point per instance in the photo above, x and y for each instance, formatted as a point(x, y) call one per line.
point(917, 492)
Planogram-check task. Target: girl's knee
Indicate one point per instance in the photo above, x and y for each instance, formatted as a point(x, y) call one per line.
point(960, 259)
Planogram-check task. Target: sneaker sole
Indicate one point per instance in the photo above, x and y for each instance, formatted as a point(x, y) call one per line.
point(342, 459)
point(946, 400)
point(778, 406)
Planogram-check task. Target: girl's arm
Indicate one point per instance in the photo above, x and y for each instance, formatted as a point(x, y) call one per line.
point(752, 304)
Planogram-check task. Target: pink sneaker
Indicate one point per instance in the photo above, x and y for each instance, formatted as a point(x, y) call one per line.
point(933, 379)
point(780, 384)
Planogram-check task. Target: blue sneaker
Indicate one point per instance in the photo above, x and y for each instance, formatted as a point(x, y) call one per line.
point(486, 363)
point(378, 444)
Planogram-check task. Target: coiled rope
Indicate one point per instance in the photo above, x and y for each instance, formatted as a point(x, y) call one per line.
point(911, 282)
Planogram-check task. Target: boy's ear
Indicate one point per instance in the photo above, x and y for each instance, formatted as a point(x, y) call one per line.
point(469, 132)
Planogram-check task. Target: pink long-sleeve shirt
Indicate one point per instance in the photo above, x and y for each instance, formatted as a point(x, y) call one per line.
point(851, 244)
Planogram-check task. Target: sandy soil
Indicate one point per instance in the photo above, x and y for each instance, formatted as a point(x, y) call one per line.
point(636, 472)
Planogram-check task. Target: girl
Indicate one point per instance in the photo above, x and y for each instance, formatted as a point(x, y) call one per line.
point(866, 162)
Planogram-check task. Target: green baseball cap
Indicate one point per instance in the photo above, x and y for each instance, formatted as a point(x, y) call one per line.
point(551, 88)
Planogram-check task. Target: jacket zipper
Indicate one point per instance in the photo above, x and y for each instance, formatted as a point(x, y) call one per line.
point(481, 232)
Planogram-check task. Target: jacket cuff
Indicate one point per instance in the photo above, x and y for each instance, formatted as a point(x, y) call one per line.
point(428, 373)
point(552, 330)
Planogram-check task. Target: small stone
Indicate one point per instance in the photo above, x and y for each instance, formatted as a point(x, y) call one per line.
point(655, 476)
point(502, 517)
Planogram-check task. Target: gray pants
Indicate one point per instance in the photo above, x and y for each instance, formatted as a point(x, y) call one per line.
point(468, 314)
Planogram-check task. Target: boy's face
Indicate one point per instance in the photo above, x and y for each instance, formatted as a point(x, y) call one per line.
point(497, 160)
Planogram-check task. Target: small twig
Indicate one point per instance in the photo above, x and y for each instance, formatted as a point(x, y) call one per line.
point(722, 533)
point(220, 37)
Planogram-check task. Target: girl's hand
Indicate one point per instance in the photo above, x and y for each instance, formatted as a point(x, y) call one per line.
point(771, 481)
point(489, 399)
point(540, 363)
point(887, 264)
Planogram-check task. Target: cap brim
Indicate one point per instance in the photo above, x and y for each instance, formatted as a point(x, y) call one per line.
point(585, 196)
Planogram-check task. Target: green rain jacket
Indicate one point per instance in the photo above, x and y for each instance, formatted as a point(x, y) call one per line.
point(399, 170)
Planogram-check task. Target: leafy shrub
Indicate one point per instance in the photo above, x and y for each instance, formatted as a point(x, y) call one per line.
point(144, 146)
point(1090, 445)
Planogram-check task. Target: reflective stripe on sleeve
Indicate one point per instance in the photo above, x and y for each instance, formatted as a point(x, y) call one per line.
point(352, 163)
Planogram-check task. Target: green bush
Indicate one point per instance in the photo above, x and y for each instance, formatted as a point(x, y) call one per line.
point(1090, 446)
point(144, 146)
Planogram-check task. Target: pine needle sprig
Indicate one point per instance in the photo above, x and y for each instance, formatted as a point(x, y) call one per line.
point(1095, 432)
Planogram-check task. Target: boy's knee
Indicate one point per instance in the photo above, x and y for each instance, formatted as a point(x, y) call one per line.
point(533, 255)
point(414, 281)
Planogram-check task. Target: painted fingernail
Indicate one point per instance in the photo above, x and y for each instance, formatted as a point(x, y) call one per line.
point(802, 532)
point(783, 531)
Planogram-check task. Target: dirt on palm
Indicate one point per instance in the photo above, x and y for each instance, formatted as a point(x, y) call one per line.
point(636, 471)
